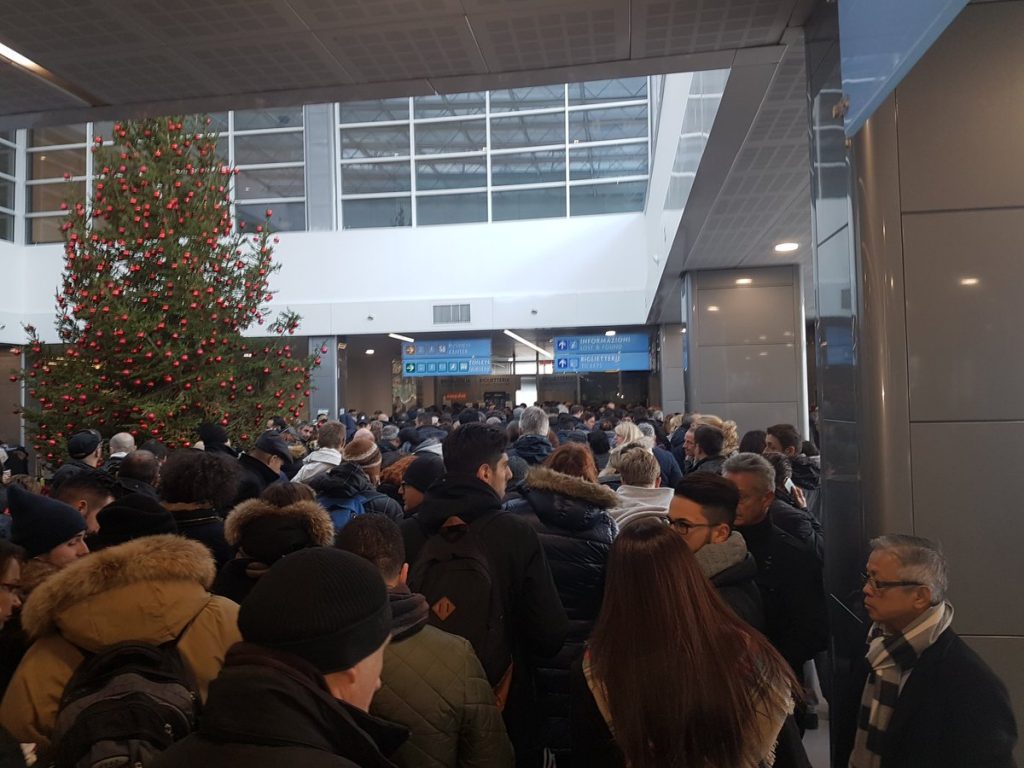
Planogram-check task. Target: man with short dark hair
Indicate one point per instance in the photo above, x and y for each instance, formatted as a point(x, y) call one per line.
point(788, 571)
point(929, 701)
point(139, 473)
point(785, 439)
point(432, 682)
point(261, 465)
point(88, 492)
point(707, 449)
point(471, 491)
point(703, 510)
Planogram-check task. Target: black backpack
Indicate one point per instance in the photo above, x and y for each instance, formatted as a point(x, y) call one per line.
point(125, 705)
point(454, 573)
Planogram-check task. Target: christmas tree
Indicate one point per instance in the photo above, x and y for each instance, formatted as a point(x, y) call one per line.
point(158, 287)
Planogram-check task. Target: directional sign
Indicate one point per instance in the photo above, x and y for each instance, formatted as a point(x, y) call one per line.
point(588, 354)
point(446, 357)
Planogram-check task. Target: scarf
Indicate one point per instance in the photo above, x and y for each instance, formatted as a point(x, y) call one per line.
point(715, 558)
point(890, 656)
point(409, 611)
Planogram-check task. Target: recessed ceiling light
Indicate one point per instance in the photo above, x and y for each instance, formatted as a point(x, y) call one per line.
point(609, 333)
point(969, 281)
point(713, 308)
point(786, 247)
point(400, 337)
point(744, 281)
point(683, 330)
point(369, 351)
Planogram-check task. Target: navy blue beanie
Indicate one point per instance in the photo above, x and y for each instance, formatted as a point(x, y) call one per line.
point(39, 523)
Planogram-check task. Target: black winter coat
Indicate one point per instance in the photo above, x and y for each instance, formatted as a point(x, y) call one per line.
point(535, 623)
point(570, 517)
point(709, 464)
point(268, 709)
point(346, 481)
point(532, 449)
point(256, 476)
point(204, 525)
point(790, 580)
point(738, 587)
point(671, 474)
point(800, 524)
point(953, 712)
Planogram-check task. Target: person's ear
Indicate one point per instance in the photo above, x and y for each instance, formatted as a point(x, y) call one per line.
point(922, 598)
point(484, 473)
point(720, 533)
point(403, 575)
point(657, 481)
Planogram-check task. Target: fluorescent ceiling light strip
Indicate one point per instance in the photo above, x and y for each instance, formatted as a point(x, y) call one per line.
point(26, 64)
point(400, 337)
point(530, 344)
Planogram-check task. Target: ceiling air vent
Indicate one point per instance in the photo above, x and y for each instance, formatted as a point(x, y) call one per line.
point(451, 313)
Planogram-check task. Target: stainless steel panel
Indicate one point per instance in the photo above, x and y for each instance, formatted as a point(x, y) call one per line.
point(1006, 657)
point(963, 278)
point(967, 491)
point(837, 327)
point(757, 374)
point(746, 315)
point(759, 277)
point(961, 115)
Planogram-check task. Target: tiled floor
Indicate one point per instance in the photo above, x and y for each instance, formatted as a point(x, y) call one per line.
point(816, 744)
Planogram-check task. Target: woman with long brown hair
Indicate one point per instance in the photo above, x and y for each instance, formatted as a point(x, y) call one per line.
point(671, 676)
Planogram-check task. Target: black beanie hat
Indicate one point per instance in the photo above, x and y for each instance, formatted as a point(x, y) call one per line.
point(131, 517)
point(323, 605)
point(424, 472)
point(40, 523)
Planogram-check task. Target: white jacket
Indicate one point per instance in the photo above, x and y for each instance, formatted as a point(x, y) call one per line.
point(319, 461)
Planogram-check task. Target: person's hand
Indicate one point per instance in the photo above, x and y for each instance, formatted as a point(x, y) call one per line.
point(798, 497)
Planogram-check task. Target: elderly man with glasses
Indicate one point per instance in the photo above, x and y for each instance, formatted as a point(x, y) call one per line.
point(928, 700)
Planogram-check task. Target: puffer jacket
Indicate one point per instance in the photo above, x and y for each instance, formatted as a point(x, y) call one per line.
point(150, 590)
point(346, 481)
point(434, 685)
point(576, 531)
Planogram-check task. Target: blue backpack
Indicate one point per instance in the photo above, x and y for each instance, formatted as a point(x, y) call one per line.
point(343, 510)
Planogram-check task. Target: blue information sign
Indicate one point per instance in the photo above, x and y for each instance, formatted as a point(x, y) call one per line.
point(589, 354)
point(447, 357)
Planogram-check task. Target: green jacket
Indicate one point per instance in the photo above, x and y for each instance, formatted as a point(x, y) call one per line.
point(434, 685)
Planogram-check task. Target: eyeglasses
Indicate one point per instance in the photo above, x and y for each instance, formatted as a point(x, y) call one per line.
point(684, 526)
point(878, 586)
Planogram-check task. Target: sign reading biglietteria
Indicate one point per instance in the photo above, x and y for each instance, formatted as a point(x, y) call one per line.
point(590, 354)
point(447, 357)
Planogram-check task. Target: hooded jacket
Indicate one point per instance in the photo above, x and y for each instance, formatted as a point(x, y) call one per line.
point(319, 461)
point(637, 503)
point(572, 520)
point(300, 525)
point(434, 685)
point(532, 449)
point(150, 590)
point(732, 569)
point(346, 481)
point(270, 709)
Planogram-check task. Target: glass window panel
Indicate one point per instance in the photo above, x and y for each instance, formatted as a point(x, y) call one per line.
point(608, 124)
point(7, 136)
point(48, 197)
point(448, 105)
point(6, 226)
point(596, 91)
point(454, 173)
point(386, 141)
point(688, 153)
point(620, 197)
point(271, 182)
point(528, 167)
point(46, 229)
point(536, 97)
point(61, 134)
point(381, 212)
point(104, 129)
point(6, 159)
point(288, 217)
point(451, 209)
point(528, 131)
point(53, 164)
point(218, 121)
point(602, 162)
point(528, 204)
point(268, 148)
point(366, 178)
point(6, 194)
point(249, 119)
point(222, 148)
point(373, 111)
point(463, 136)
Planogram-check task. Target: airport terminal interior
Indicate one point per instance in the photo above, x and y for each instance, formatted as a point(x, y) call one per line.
point(451, 276)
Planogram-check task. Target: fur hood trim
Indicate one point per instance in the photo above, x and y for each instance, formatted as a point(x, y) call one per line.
point(544, 479)
point(151, 558)
point(315, 517)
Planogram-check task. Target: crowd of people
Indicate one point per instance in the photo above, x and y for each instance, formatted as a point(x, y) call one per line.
point(530, 586)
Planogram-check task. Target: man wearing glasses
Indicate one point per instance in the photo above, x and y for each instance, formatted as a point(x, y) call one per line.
point(928, 699)
point(703, 511)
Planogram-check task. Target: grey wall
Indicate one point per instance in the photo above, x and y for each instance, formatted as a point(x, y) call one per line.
point(745, 346)
point(940, 222)
point(672, 387)
point(367, 384)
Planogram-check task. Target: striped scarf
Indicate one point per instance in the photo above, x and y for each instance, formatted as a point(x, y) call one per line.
point(890, 656)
